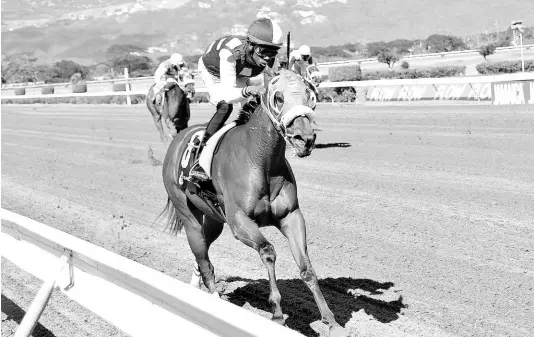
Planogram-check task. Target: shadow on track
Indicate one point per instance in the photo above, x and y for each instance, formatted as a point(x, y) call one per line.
point(15, 313)
point(344, 295)
point(329, 145)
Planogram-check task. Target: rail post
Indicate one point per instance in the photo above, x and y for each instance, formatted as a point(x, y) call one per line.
point(128, 99)
point(40, 301)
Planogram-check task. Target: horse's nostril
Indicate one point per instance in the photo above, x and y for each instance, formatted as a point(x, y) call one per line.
point(299, 137)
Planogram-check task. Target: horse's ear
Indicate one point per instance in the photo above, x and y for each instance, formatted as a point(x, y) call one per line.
point(268, 74)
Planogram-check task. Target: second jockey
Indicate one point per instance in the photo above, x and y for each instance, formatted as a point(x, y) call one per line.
point(300, 59)
point(168, 71)
point(232, 69)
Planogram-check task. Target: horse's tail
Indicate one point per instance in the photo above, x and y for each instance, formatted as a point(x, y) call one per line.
point(174, 221)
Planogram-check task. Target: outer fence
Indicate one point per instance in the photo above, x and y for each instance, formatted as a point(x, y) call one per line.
point(513, 92)
point(498, 89)
point(136, 299)
point(420, 56)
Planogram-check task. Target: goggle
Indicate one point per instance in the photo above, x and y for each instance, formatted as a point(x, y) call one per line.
point(265, 52)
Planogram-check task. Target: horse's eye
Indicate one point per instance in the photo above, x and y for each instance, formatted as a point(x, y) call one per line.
point(310, 98)
point(279, 97)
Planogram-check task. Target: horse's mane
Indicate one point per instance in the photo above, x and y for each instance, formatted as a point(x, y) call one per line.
point(170, 85)
point(244, 116)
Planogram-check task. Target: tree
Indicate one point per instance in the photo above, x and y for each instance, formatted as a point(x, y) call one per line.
point(403, 46)
point(374, 48)
point(444, 43)
point(101, 70)
point(487, 49)
point(20, 67)
point(140, 65)
point(65, 69)
point(388, 56)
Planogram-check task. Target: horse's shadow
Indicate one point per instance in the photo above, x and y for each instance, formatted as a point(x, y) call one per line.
point(329, 145)
point(343, 295)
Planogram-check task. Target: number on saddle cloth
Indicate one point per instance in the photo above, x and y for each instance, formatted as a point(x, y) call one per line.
point(189, 160)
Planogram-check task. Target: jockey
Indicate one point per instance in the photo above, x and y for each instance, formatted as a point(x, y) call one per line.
point(168, 71)
point(300, 59)
point(232, 69)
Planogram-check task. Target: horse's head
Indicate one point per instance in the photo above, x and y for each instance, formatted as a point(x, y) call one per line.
point(175, 104)
point(290, 104)
point(314, 75)
point(189, 87)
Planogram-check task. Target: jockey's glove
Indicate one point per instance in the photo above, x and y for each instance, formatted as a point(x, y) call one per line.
point(253, 90)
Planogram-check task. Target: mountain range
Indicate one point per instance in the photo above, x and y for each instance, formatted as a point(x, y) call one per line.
point(82, 30)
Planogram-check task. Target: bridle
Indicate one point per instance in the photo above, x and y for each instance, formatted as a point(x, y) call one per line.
point(281, 121)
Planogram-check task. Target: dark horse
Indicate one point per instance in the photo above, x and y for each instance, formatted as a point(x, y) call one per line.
point(175, 113)
point(256, 186)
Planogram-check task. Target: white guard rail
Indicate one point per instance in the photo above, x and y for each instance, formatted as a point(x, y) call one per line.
point(87, 94)
point(529, 76)
point(136, 299)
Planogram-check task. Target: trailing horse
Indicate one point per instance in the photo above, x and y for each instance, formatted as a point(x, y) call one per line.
point(252, 185)
point(173, 114)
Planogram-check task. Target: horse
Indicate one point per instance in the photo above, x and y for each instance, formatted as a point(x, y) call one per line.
point(314, 75)
point(252, 186)
point(173, 116)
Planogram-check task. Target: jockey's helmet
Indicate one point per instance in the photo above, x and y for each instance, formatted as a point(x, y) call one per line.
point(266, 33)
point(304, 50)
point(177, 59)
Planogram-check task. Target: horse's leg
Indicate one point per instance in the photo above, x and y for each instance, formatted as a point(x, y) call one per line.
point(157, 120)
point(196, 277)
point(168, 126)
point(211, 230)
point(199, 241)
point(181, 118)
point(247, 231)
point(294, 229)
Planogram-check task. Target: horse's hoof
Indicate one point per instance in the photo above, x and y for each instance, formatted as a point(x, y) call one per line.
point(216, 294)
point(338, 331)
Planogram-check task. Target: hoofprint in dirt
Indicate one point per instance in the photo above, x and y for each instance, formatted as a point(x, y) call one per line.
point(419, 218)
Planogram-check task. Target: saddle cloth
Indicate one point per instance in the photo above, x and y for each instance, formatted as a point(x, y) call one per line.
point(190, 157)
point(206, 156)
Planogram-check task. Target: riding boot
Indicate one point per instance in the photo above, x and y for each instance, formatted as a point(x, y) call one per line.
point(224, 110)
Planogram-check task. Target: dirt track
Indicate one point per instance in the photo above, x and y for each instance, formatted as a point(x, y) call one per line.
point(420, 219)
